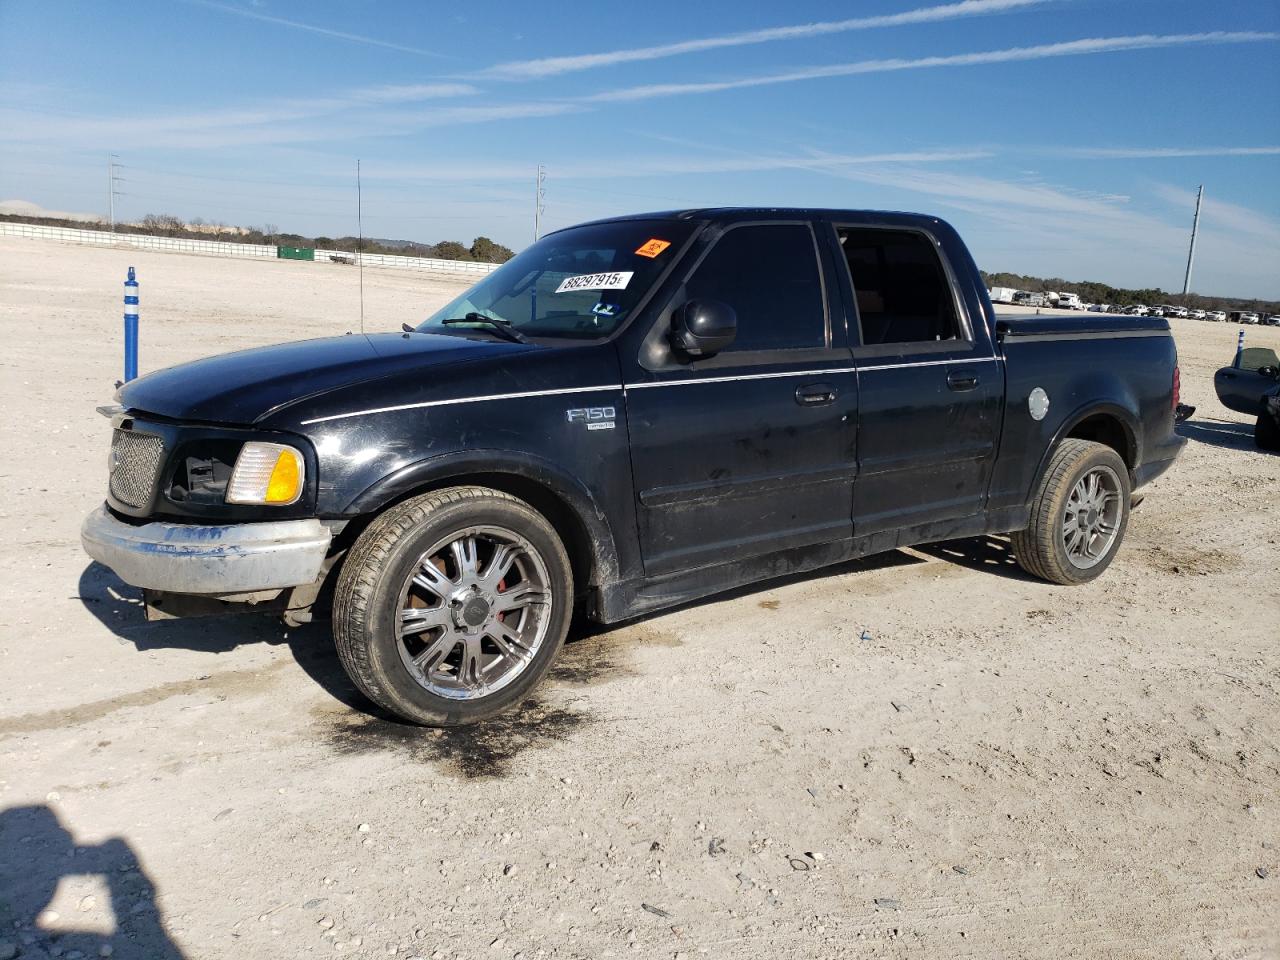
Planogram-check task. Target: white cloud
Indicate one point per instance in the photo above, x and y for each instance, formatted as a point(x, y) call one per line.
point(1157, 153)
point(551, 66)
point(311, 28)
point(1070, 48)
point(667, 166)
point(372, 111)
point(1232, 219)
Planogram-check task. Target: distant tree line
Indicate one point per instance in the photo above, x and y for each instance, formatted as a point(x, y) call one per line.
point(1092, 292)
point(482, 249)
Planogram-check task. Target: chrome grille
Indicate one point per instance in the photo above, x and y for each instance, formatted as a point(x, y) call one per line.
point(135, 464)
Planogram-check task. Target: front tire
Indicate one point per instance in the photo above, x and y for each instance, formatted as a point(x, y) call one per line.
point(1078, 517)
point(452, 605)
point(1266, 433)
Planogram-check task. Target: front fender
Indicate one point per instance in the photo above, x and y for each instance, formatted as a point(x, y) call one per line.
point(461, 465)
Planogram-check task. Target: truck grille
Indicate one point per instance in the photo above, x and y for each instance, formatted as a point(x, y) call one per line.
point(135, 464)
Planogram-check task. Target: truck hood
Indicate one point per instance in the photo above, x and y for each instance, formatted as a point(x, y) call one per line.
point(243, 387)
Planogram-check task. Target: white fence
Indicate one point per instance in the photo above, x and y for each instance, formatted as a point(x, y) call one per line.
point(101, 238)
point(257, 251)
point(463, 267)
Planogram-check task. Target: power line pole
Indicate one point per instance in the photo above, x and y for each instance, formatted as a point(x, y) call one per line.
point(1191, 254)
point(539, 198)
point(113, 164)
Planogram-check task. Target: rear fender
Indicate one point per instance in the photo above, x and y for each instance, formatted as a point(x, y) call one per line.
point(1128, 420)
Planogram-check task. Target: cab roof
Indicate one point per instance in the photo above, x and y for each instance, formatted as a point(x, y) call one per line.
point(735, 214)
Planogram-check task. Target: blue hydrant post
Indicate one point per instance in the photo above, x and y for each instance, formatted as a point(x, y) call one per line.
point(130, 327)
point(1239, 346)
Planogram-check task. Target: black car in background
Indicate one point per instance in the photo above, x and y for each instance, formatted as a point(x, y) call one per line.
point(1251, 385)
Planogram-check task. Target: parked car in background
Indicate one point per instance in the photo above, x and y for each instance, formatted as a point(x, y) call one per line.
point(1002, 294)
point(1180, 312)
point(1069, 301)
point(1247, 317)
point(1025, 299)
point(1217, 316)
point(1097, 308)
point(1272, 321)
point(1137, 310)
point(1197, 314)
point(1251, 385)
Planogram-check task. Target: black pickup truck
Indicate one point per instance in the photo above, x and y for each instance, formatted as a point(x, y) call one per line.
point(631, 414)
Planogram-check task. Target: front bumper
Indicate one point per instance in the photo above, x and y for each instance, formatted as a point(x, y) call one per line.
point(218, 560)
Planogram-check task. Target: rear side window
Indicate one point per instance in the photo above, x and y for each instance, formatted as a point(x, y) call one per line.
point(769, 275)
point(902, 290)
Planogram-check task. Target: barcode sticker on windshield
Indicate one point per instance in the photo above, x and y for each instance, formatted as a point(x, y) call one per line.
point(595, 281)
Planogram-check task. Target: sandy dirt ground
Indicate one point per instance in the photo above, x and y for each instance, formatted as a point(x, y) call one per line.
point(925, 754)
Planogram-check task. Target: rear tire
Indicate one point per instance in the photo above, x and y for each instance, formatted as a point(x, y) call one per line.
point(1078, 516)
point(1266, 433)
point(451, 606)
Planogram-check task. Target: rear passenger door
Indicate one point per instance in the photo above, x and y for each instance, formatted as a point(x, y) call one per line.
point(750, 451)
point(930, 390)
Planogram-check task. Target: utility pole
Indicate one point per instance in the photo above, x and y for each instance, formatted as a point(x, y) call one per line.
point(113, 164)
point(539, 198)
point(1191, 255)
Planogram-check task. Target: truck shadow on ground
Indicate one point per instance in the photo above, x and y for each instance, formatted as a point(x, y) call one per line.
point(36, 853)
point(1218, 433)
point(592, 654)
point(984, 554)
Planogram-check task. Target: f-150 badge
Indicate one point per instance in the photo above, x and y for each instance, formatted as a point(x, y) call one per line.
point(596, 418)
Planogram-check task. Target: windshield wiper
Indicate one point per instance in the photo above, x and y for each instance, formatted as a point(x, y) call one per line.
point(503, 328)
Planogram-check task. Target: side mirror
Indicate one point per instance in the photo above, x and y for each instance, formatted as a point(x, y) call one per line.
point(702, 328)
point(1272, 372)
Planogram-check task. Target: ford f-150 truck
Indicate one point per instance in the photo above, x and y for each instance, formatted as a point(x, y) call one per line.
point(631, 414)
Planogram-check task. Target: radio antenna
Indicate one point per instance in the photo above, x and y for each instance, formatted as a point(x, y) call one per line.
point(360, 241)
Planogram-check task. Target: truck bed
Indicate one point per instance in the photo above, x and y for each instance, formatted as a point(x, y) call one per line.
point(1063, 326)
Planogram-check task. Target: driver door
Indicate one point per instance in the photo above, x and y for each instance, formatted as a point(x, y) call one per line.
point(750, 451)
point(1240, 386)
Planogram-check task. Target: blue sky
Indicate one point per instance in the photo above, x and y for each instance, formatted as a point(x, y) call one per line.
point(1062, 137)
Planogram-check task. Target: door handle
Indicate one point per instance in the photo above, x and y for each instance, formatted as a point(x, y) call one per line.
point(815, 394)
point(961, 380)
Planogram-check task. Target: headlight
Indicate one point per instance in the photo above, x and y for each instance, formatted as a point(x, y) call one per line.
point(269, 473)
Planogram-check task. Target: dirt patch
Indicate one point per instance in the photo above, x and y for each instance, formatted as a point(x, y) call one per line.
point(595, 655)
point(1188, 560)
point(218, 684)
point(483, 751)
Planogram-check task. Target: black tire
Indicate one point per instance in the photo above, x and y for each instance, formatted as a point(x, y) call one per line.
point(1041, 549)
point(1266, 433)
point(367, 598)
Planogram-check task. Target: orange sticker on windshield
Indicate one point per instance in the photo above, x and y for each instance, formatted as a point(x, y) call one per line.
point(653, 247)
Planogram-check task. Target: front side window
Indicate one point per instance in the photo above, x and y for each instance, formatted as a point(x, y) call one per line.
point(1255, 358)
point(901, 288)
point(769, 275)
point(579, 283)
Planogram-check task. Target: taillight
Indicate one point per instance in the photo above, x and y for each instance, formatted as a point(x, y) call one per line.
point(1177, 387)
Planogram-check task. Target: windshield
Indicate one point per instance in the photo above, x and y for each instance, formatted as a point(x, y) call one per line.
point(579, 283)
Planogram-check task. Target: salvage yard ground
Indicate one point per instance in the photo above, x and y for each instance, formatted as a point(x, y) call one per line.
point(925, 754)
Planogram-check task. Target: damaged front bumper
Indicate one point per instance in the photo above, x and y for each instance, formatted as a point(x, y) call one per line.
point(222, 560)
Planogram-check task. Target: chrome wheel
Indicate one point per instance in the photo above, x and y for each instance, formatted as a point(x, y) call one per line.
point(1091, 521)
point(473, 612)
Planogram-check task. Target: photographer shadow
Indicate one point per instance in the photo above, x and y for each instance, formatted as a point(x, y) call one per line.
point(36, 853)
